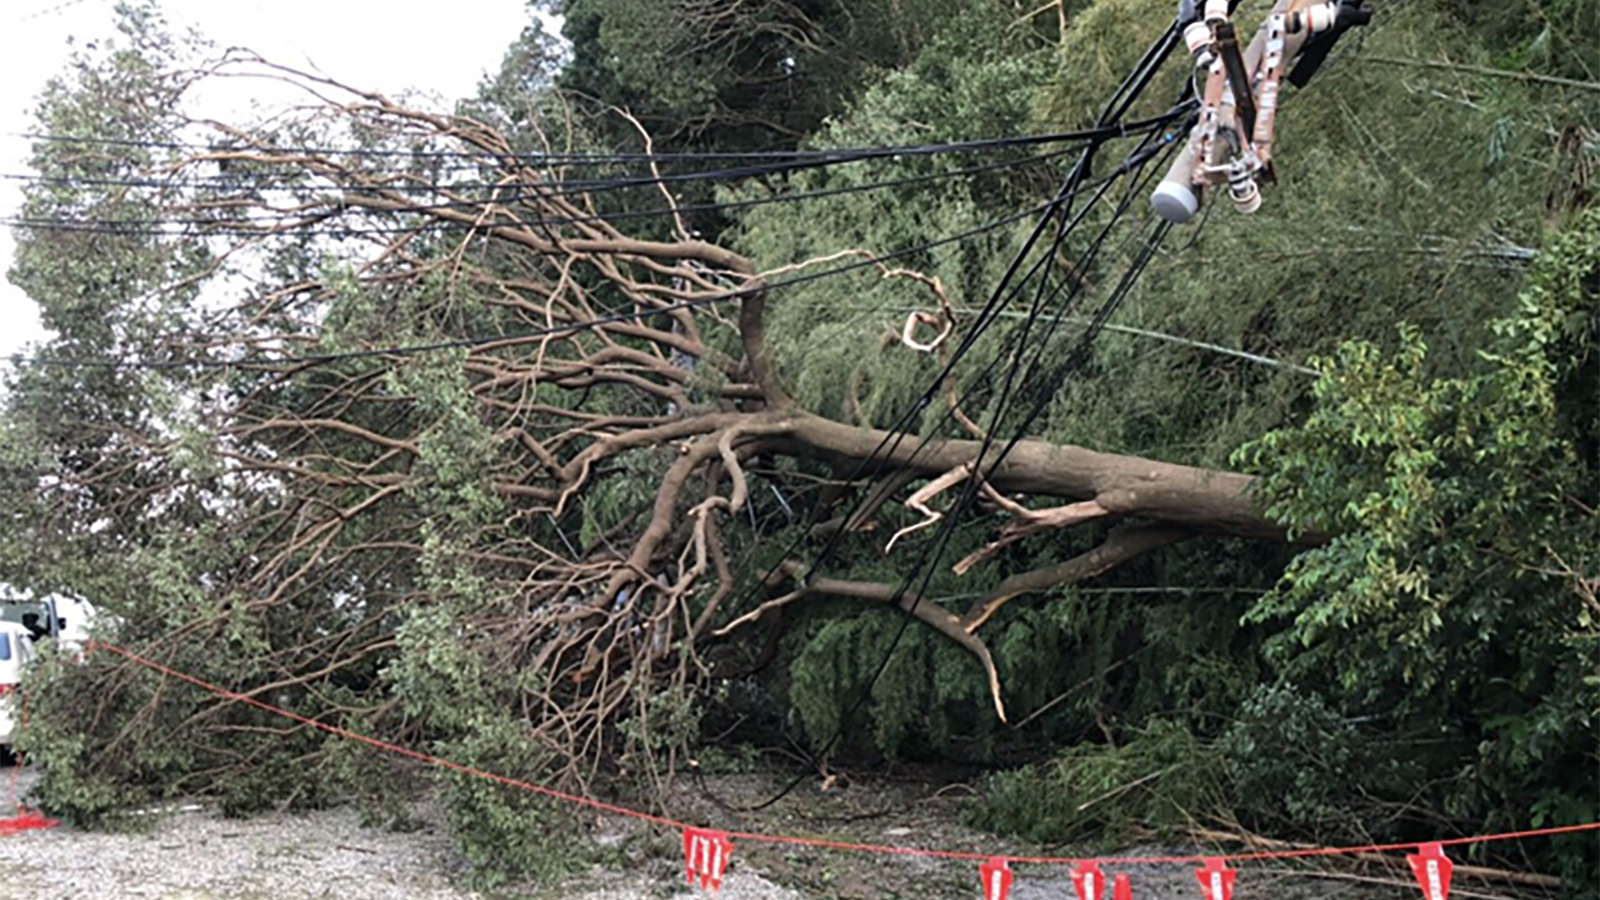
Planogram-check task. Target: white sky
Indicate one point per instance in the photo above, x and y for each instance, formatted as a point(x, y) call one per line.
point(364, 43)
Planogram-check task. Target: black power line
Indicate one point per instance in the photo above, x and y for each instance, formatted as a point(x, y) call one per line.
point(826, 156)
point(1120, 102)
point(1046, 383)
point(285, 222)
point(556, 331)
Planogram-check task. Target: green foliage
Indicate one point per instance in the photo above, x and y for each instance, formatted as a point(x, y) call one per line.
point(1420, 478)
point(110, 737)
point(83, 783)
point(1148, 653)
point(456, 454)
point(1453, 580)
point(833, 337)
point(737, 75)
point(925, 696)
point(1554, 37)
point(618, 499)
point(1103, 43)
point(1161, 778)
point(664, 728)
point(442, 684)
point(1298, 765)
point(1287, 763)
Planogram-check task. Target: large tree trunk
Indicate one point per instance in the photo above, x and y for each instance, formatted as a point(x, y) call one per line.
point(1204, 500)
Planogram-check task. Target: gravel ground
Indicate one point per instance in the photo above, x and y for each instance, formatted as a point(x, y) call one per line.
point(195, 854)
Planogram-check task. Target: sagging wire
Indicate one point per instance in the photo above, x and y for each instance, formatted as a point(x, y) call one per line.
point(284, 223)
point(1121, 101)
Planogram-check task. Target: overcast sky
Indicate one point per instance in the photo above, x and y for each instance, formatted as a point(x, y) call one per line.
point(381, 46)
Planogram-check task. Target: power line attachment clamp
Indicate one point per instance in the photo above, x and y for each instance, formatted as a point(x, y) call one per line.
point(1231, 143)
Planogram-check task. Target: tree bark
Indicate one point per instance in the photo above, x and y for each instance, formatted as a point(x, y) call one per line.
point(1123, 544)
point(1202, 500)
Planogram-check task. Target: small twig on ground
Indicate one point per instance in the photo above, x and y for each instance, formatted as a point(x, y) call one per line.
point(1527, 879)
point(1455, 890)
point(1123, 789)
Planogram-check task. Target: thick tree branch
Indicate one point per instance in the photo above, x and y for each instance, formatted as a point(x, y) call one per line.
point(1123, 544)
point(1204, 500)
point(752, 330)
point(923, 609)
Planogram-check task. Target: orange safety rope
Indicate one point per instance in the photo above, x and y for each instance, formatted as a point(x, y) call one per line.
point(886, 849)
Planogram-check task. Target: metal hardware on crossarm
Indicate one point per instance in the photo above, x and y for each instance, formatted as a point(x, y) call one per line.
point(1239, 90)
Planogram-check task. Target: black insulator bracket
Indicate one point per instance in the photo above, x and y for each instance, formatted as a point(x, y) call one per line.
point(1351, 14)
point(1238, 78)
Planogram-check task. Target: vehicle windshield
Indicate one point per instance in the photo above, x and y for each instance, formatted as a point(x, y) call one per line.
point(33, 615)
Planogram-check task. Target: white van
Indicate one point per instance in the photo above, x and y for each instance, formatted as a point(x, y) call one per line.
point(67, 620)
point(16, 650)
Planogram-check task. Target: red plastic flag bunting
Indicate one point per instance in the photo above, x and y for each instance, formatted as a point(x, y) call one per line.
point(996, 879)
point(1216, 879)
point(1089, 881)
point(705, 856)
point(1432, 869)
point(1122, 887)
point(25, 820)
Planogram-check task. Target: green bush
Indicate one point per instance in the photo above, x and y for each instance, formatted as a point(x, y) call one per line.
point(1298, 765)
point(1162, 779)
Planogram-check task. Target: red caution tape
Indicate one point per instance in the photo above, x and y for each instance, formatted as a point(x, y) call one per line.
point(1089, 881)
point(996, 879)
point(1432, 869)
point(1097, 883)
point(25, 820)
point(1122, 887)
point(705, 856)
point(1216, 879)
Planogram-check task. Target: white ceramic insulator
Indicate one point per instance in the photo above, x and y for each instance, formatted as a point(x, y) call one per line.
point(1320, 17)
point(1246, 196)
point(1174, 201)
point(1216, 10)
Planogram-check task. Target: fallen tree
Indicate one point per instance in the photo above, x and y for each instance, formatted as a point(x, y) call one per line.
point(424, 376)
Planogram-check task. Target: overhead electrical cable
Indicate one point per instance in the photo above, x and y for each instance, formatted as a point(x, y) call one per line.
point(825, 156)
point(518, 189)
point(1121, 100)
point(275, 362)
point(315, 221)
point(285, 222)
point(575, 327)
point(564, 188)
